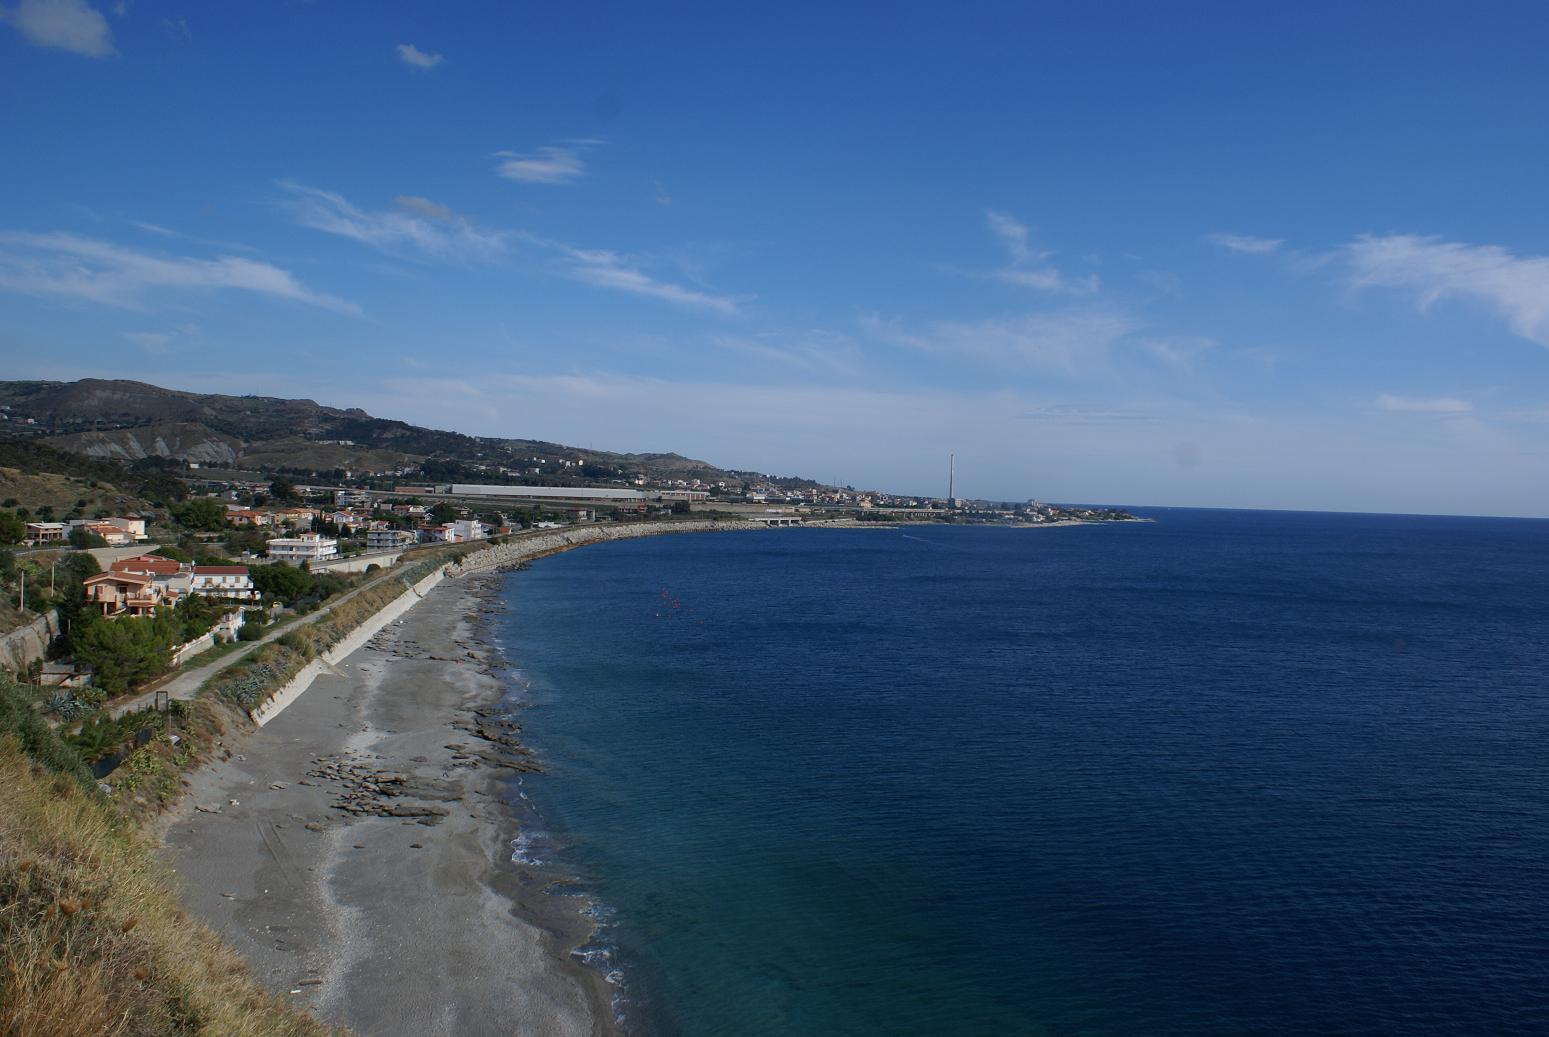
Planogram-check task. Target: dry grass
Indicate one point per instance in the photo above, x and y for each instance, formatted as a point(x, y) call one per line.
point(62, 491)
point(153, 777)
point(92, 940)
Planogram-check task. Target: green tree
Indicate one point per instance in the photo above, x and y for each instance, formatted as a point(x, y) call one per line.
point(281, 582)
point(282, 489)
point(163, 489)
point(12, 529)
point(126, 651)
point(82, 538)
point(251, 539)
point(201, 513)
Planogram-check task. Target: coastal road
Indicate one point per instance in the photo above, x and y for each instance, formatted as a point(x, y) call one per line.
point(185, 684)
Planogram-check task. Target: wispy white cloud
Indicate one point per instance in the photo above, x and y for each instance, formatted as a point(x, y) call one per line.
point(607, 269)
point(428, 227)
point(554, 164)
point(1071, 343)
point(1013, 233)
point(72, 25)
point(412, 56)
point(1422, 404)
point(425, 207)
point(1179, 351)
point(63, 265)
point(819, 352)
point(1027, 267)
point(1245, 243)
point(1515, 287)
point(167, 232)
point(419, 225)
point(1079, 414)
point(662, 197)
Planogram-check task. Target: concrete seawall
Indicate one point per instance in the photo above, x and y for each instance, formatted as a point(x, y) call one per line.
point(294, 687)
point(527, 548)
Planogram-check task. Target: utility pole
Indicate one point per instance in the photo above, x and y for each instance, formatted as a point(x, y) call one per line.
point(22, 605)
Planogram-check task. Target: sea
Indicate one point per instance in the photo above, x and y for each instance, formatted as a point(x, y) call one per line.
point(1220, 772)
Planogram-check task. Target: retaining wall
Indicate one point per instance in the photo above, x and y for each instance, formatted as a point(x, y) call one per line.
point(24, 644)
point(294, 687)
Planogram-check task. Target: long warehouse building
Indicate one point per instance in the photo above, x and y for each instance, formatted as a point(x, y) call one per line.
point(573, 493)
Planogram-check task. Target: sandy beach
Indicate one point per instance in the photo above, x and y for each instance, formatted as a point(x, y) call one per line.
point(356, 850)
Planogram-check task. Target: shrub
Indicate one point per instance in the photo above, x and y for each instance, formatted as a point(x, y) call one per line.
point(82, 538)
point(12, 529)
point(67, 707)
point(32, 735)
point(294, 641)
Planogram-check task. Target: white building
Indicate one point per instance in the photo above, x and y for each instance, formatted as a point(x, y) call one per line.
point(308, 547)
point(348, 521)
point(228, 625)
point(461, 531)
point(389, 539)
point(223, 581)
point(135, 527)
point(45, 532)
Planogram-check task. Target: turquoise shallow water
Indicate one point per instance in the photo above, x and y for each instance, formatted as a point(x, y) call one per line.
point(1227, 773)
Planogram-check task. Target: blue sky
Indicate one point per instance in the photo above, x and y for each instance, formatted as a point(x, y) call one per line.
point(1206, 254)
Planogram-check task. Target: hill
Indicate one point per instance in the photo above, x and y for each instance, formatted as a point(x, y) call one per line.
point(136, 422)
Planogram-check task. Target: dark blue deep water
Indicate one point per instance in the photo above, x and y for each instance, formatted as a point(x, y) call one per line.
point(1228, 773)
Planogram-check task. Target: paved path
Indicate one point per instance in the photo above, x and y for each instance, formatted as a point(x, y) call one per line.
point(185, 684)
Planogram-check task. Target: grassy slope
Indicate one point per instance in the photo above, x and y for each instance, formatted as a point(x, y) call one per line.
point(36, 489)
point(92, 939)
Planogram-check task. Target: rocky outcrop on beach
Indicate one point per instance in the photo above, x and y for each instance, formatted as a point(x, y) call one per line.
point(363, 789)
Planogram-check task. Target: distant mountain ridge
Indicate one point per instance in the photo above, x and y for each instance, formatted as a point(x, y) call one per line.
point(131, 421)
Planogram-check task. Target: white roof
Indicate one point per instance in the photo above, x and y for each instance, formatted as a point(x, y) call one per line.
point(564, 492)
